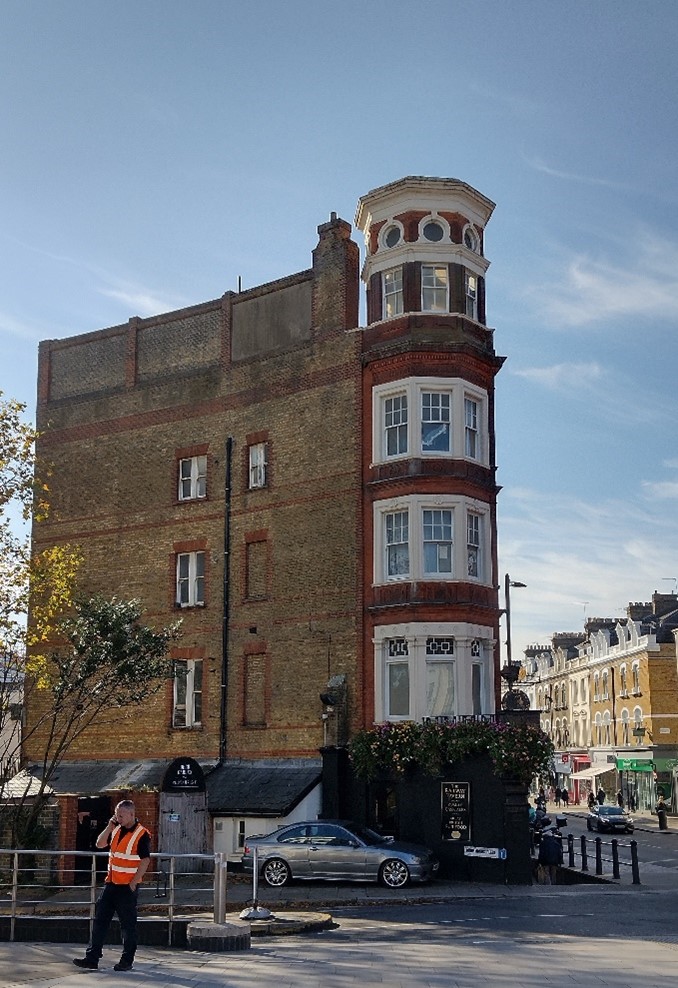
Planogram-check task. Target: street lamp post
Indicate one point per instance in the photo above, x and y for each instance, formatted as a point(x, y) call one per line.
point(508, 583)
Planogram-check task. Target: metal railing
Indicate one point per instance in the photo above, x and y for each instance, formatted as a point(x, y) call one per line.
point(36, 882)
point(614, 845)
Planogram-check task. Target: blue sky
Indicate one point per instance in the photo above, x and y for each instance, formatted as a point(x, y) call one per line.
point(154, 151)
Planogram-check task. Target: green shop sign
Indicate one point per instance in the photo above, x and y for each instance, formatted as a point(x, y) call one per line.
point(633, 765)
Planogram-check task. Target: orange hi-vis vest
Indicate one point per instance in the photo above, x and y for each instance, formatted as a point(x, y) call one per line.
point(123, 858)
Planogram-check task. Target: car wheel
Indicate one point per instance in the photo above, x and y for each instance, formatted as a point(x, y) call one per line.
point(276, 873)
point(394, 874)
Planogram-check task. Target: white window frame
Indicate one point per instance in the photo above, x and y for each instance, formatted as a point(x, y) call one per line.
point(414, 506)
point(190, 579)
point(396, 424)
point(193, 683)
point(472, 422)
point(192, 482)
point(471, 295)
point(393, 300)
point(635, 678)
point(397, 660)
point(411, 391)
point(474, 545)
point(436, 415)
point(435, 288)
point(258, 465)
point(471, 645)
point(626, 727)
point(397, 544)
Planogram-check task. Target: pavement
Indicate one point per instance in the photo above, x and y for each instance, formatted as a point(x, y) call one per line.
point(363, 951)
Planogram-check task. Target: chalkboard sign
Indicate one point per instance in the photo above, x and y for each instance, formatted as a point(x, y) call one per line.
point(455, 812)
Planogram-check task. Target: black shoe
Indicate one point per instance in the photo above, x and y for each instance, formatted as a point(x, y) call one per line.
point(123, 966)
point(86, 963)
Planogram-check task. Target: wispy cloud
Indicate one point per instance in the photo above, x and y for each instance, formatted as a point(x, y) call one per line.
point(563, 377)
point(140, 301)
point(594, 289)
point(517, 104)
point(137, 299)
point(661, 489)
point(539, 165)
point(11, 326)
point(608, 388)
point(581, 558)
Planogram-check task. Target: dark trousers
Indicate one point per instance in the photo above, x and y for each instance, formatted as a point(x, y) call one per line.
point(114, 899)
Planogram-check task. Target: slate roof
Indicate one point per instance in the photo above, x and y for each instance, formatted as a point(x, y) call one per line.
point(260, 788)
point(89, 778)
point(271, 787)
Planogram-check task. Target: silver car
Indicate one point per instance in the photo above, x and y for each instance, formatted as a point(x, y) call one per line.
point(332, 849)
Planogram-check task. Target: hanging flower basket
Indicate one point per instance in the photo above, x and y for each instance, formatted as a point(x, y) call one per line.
point(518, 751)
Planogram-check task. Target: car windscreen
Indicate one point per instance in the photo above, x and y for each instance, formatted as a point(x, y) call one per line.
point(610, 811)
point(369, 837)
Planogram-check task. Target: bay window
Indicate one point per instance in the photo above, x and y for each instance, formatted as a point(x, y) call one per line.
point(431, 670)
point(429, 417)
point(414, 539)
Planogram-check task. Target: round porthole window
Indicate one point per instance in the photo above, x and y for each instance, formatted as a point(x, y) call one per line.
point(433, 232)
point(392, 236)
point(471, 239)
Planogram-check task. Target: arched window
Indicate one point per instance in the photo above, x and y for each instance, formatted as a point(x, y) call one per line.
point(635, 672)
point(626, 727)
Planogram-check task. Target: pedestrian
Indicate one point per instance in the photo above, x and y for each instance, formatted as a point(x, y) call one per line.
point(591, 799)
point(565, 796)
point(661, 810)
point(557, 795)
point(620, 799)
point(550, 856)
point(129, 856)
point(601, 795)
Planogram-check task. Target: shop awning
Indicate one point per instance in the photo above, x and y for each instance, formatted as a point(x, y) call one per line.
point(592, 771)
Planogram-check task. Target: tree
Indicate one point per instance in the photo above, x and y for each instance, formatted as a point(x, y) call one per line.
point(46, 580)
point(76, 659)
point(105, 662)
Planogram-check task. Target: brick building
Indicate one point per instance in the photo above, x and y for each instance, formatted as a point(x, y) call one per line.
point(609, 700)
point(315, 499)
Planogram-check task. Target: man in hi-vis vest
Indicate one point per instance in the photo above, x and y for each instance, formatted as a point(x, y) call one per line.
point(129, 857)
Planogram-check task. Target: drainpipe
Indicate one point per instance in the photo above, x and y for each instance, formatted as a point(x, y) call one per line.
point(226, 588)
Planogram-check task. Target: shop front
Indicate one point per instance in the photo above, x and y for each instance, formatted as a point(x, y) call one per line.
point(637, 782)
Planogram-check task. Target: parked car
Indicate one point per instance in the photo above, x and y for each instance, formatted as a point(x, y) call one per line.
point(609, 818)
point(334, 849)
